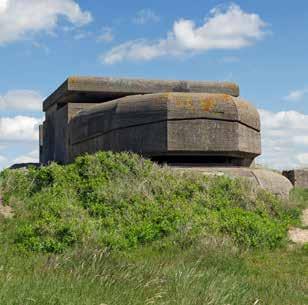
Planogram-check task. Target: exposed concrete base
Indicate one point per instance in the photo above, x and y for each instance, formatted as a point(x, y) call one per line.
point(298, 177)
point(271, 181)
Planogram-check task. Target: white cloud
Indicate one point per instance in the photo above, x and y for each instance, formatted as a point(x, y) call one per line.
point(32, 157)
point(106, 35)
point(297, 95)
point(301, 139)
point(20, 19)
point(28, 100)
point(3, 5)
point(284, 139)
point(19, 128)
point(303, 158)
point(224, 29)
point(18, 134)
point(145, 16)
point(285, 120)
point(137, 50)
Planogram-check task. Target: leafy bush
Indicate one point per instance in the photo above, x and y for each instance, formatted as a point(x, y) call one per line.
point(121, 201)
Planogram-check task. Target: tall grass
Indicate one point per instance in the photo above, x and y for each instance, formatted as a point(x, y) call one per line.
point(203, 274)
point(117, 229)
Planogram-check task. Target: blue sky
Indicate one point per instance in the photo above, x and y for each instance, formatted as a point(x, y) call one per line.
point(261, 45)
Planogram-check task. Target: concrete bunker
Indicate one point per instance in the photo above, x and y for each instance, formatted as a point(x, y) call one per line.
point(188, 124)
point(167, 121)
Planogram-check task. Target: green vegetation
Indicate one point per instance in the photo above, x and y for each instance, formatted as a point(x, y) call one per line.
point(118, 229)
point(120, 201)
point(299, 198)
point(211, 272)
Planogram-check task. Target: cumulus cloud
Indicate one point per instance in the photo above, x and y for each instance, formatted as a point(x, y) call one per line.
point(3, 5)
point(31, 157)
point(231, 28)
point(297, 95)
point(145, 16)
point(19, 18)
point(28, 100)
point(18, 134)
point(19, 128)
point(303, 158)
point(27, 157)
point(303, 139)
point(284, 139)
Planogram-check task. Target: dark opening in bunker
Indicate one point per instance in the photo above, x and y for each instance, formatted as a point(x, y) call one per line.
point(199, 160)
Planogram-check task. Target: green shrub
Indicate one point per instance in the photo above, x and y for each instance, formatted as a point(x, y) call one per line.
point(121, 201)
point(299, 197)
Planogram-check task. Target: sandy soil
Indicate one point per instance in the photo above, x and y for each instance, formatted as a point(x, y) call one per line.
point(297, 235)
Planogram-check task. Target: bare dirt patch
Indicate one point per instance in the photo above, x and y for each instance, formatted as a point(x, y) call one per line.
point(305, 218)
point(6, 211)
point(297, 235)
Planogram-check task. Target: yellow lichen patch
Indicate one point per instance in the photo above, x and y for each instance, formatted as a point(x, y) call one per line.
point(226, 98)
point(182, 101)
point(186, 102)
point(73, 80)
point(207, 104)
point(166, 95)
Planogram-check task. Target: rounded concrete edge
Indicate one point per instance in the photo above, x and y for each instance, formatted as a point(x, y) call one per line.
point(268, 180)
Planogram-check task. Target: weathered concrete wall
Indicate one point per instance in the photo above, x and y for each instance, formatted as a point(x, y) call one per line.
point(49, 135)
point(298, 177)
point(146, 140)
point(101, 89)
point(41, 143)
point(169, 124)
point(54, 133)
point(271, 181)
